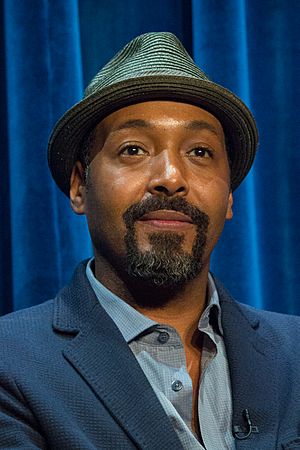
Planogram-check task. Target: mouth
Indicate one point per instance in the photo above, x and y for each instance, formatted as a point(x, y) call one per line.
point(167, 219)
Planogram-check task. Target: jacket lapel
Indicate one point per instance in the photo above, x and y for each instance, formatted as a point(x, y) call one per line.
point(102, 357)
point(251, 351)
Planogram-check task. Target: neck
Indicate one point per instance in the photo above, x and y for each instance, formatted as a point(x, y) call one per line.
point(179, 308)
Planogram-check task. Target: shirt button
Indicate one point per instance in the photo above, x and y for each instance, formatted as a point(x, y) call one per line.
point(177, 385)
point(163, 337)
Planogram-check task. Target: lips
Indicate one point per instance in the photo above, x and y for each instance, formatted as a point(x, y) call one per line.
point(166, 216)
point(164, 219)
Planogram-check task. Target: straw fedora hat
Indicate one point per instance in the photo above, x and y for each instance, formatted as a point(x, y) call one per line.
point(153, 66)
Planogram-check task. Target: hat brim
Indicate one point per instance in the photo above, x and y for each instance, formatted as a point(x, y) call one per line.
point(236, 119)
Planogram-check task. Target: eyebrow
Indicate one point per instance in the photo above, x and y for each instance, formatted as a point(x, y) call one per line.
point(133, 123)
point(199, 125)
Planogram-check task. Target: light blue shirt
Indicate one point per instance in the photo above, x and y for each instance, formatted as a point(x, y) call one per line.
point(160, 353)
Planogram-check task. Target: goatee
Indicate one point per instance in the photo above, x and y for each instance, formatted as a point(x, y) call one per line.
point(166, 266)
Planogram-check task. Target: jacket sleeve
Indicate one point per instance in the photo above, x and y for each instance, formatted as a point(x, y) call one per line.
point(18, 427)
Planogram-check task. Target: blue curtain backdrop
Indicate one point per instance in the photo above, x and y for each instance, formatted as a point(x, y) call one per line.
point(51, 49)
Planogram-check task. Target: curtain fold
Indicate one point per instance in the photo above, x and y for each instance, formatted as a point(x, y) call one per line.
point(43, 78)
point(221, 46)
point(252, 47)
point(51, 49)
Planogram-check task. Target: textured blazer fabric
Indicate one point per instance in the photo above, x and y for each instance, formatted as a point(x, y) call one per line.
point(69, 380)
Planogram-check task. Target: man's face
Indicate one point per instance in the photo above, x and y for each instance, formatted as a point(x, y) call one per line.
point(157, 191)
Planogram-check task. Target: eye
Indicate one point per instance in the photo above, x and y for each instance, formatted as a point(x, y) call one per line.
point(201, 152)
point(132, 150)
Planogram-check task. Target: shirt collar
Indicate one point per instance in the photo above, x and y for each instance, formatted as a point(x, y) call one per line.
point(211, 316)
point(131, 322)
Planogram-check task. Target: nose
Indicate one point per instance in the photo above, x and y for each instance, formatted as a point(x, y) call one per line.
point(167, 175)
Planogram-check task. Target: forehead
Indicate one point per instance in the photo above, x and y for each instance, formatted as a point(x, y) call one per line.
point(160, 114)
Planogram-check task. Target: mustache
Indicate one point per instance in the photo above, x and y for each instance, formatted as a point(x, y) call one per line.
point(179, 204)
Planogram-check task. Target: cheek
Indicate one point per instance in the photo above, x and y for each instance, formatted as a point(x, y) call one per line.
point(110, 194)
point(103, 210)
point(213, 196)
point(120, 181)
point(105, 224)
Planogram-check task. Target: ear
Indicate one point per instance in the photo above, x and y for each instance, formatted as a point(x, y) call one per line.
point(229, 213)
point(77, 189)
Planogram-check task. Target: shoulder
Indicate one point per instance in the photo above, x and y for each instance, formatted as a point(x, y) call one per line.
point(39, 319)
point(271, 316)
point(29, 346)
point(27, 319)
point(40, 333)
point(282, 325)
point(26, 329)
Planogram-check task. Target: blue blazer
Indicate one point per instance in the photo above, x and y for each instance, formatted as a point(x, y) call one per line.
point(68, 380)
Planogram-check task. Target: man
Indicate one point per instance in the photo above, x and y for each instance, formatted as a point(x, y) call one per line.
point(145, 348)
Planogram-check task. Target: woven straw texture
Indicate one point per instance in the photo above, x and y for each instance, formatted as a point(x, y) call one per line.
point(151, 67)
